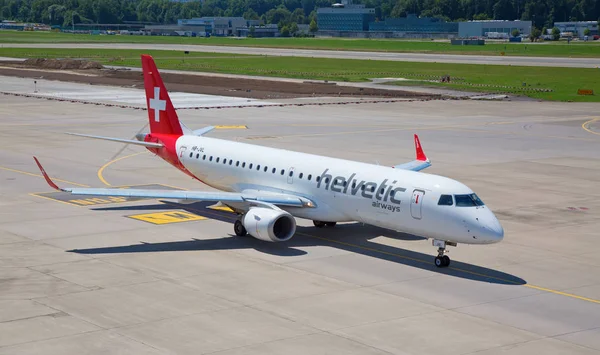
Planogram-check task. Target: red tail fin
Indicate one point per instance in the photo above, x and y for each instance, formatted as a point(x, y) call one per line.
point(161, 113)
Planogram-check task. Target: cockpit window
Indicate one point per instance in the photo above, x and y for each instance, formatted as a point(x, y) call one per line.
point(470, 200)
point(445, 200)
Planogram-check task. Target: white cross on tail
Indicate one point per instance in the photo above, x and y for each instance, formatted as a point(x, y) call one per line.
point(157, 104)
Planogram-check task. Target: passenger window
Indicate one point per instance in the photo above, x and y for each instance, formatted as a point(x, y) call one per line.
point(327, 180)
point(282, 171)
point(372, 188)
point(291, 173)
point(197, 155)
point(309, 177)
point(218, 159)
point(318, 178)
point(274, 170)
point(362, 187)
point(266, 168)
point(353, 184)
point(345, 183)
point(230, 161)
point(224, 161)
point(445, 200)
point(191, 154)
point(250, 166)
point(237, 163)
point(243, 164)
point(258, 167)
point(210, 159)
point(300, 176)
point(204, 157)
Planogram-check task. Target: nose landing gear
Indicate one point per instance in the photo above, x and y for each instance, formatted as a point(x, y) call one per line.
point(442, 260)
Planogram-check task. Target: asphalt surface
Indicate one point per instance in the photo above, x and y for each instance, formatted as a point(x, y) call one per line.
point(313, 53)
point(91, 276)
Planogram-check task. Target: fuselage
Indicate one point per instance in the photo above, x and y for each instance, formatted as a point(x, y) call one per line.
point(344, 190)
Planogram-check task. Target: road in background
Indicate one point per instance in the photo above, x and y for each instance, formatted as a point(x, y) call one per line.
point(316, 53)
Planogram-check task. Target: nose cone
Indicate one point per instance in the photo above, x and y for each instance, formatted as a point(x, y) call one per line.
point(490, 229)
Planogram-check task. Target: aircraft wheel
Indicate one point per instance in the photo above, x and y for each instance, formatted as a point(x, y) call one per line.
point(330, 224)
point(446, 260)
point(239, 229)
point(439, 261)
point(319, 224)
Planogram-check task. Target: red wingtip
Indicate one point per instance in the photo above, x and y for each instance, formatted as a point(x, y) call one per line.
point(420, 154)
point(48, 180)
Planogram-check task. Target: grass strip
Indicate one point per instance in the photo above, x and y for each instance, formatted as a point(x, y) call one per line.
point(545, 49)
point(556, 84)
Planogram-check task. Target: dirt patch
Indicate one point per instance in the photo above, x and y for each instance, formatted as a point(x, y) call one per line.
point(68, 64)
point(200, 84)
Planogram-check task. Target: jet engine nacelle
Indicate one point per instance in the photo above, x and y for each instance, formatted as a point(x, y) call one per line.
point(269, 225)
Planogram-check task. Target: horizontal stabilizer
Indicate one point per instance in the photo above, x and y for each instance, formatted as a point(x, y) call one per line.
point(128, 141)
point(203, 131)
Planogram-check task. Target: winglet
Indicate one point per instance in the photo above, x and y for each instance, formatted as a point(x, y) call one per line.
point(48, 180)
point(420, 154)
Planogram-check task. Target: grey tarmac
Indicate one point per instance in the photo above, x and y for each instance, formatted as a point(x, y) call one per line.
point(85, 278)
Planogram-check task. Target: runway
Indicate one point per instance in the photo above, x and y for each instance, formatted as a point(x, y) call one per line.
point(148, 277)
point(315, 53)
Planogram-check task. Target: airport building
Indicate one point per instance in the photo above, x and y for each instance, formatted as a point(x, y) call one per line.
point(270, 30)
point(414, 24)
point(219, 26)
point(348, 20)
point(484, 28)
point(577, 28)
point(345, 17)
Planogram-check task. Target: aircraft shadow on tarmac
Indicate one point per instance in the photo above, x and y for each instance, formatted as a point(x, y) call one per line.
point(352, 237)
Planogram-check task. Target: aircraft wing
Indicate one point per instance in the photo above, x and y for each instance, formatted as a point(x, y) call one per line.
point(421, 161)
point(250, 197)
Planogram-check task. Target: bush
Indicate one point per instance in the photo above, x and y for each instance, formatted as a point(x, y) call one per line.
point(556, 33)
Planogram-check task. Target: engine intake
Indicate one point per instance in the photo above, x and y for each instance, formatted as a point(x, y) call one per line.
point(269, 225)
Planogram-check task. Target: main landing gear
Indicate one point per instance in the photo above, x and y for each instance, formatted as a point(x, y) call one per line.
point(442, 260)
point(239, 229)
point(321, 224)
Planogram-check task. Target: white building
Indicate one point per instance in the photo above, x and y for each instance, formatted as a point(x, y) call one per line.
point(482, 28)
point(577, 27)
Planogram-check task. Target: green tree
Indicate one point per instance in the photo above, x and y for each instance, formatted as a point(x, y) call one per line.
point(298, 16)
point(285, 31)
point(278, 15)
point(586, 32)
point(481, 17)
point(503, 10)
point(252, 31)
point(515, 33)
point(250, 14)
point(556, 33)
point(313, 26)
point(293, 28)
point(535, 34)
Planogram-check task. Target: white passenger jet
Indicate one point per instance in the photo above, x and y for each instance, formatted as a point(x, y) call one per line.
point(269, 187)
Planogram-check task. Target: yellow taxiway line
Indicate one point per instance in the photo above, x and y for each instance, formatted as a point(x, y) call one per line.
point(101, 170)
point(40, 176)
point(586, 124)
